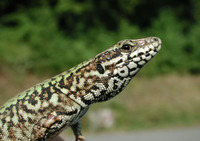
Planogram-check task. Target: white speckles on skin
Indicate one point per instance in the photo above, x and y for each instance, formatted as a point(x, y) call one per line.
point(123, 71)
point(77, 100)
point(52, 90)
point(136, 59)
point(30, 106)
point(142, 63)
point(54, 99)
point(7, 118)
point(83, 92)
point(110, 63)
point(146, 49)
point(73, 88)
point(89, 81)
point(89, 96)
point(74, 83)
point(96, 92)
point(132, 65)
point(39, 90)
point(115, 72)
point(134, 71)
point(100, 86)
point(143, 57)
point(148, 58)
point(141, 50)
point(141, 42)
point(25, 116)
point(45, 104)
point(46, 84)
point(53, 81)
point(119, 82)
point(15, 117)
point(159, 47)
point(155, 44)
point(134, 54)
point(65, 91)
point(110, 87)
point(96, 73)
point(86, 74)
point(81, 83)
point(106, 73)
point(151, 46)
point(38, 105)
point(152, 53)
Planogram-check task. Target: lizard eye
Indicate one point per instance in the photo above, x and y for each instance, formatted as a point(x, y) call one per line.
point(126, 47)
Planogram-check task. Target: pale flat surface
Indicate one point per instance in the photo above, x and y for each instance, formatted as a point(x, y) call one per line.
point(183, 134)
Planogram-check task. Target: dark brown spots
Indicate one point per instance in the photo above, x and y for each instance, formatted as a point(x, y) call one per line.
point(11, 113)
point(107, 52)
point(21, 119)
point(71, 112)
point(140, 54)
point(120, 61)
point(95, 87)
point(25, 108)
point(57, 90)
point(107, 67)
point(59, 99)
point(61, 83)
point(114, 84)
point(10, 124)
point(46, 93)
point(122, 71)
point(31, 99)
point(30, 120)
point(100, 68)
point(3, 120)
point(53, 78)
point(77, 79)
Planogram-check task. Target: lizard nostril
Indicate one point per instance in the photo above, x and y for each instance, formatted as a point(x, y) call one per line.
point(155, 39)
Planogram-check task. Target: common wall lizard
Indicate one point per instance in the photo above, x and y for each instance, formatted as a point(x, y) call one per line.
point(44, 110)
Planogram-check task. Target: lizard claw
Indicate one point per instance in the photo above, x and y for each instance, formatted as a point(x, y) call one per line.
point(81, 138)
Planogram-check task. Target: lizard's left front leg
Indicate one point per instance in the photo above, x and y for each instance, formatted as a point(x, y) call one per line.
point(77, 131)
point(49, 125)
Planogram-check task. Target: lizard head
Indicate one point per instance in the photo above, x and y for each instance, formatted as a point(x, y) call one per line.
point(127, 57)
point(133, 55)
point(116, 66)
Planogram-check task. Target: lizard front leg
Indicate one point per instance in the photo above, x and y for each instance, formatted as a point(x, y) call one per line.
point(77, 131)
point(49, 125)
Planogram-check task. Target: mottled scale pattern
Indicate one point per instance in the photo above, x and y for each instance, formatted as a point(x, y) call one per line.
point(44, 110)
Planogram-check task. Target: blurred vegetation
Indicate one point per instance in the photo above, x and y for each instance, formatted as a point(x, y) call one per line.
point(50, 36)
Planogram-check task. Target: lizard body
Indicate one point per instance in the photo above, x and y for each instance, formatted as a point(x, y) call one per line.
point(44, 110)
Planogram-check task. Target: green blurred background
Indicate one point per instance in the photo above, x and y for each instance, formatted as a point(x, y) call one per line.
point(41, 38)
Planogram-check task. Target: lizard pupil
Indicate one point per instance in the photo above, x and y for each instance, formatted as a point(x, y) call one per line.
point(100, 68)
point(126, 47)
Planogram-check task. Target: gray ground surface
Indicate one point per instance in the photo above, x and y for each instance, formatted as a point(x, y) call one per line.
point(183, 134)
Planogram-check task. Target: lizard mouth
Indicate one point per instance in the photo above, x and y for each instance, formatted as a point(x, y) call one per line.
point(151, 48)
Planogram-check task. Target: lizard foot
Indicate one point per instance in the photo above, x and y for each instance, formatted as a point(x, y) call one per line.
point(80, 138)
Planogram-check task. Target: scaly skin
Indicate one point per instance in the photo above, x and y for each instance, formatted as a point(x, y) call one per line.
point(47, 108)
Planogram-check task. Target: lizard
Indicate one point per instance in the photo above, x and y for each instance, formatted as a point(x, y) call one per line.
point(46, 109)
